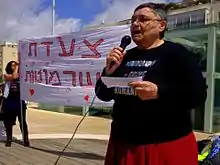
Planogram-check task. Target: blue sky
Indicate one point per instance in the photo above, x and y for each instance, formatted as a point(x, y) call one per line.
point(85, 10)
point(31, 18)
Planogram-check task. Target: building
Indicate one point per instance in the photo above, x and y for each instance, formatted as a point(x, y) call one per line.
point(194, 15)
point(8, 52)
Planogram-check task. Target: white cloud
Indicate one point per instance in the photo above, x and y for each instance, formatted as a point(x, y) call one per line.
point(119, 9)
point(27, 18)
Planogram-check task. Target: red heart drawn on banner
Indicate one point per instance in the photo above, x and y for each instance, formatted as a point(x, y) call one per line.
point(86, 98)
point(31, 91)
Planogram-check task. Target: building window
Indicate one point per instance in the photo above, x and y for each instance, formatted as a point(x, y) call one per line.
point(188, 19)
point(13, 54)
point(201, 19)
point(183, 22)
point(179, 23)
point(171, 23)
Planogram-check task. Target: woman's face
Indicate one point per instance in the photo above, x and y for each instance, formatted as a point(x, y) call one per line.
point(146, 25)
point(13, 66)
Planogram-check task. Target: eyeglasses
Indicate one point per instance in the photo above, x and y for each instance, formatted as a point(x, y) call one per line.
point(143, 19)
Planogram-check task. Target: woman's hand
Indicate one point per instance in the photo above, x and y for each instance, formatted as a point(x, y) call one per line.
point(115, 55)
point(145, 90)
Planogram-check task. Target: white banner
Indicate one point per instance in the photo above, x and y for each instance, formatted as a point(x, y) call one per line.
point(63, 69)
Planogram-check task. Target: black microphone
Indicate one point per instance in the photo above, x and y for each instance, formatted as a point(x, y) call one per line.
point(125, 41)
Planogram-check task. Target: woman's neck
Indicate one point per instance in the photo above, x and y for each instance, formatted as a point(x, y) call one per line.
point(152, 44)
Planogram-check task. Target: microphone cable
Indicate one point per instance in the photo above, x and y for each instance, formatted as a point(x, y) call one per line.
point(125, 41)
point(77, 127)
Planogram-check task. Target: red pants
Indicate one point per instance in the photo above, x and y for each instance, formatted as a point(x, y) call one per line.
point(183, 151)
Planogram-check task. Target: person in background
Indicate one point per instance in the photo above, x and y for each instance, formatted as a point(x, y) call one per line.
point(152, 118)
point(2, 127)
point(12, 104)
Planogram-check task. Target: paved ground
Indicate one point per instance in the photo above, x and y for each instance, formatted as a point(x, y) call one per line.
point(46, 122)
point(46, 151)
point(49, 133)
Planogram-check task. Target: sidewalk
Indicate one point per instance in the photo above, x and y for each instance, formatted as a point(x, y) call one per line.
point(47, 122)
point(53, 125)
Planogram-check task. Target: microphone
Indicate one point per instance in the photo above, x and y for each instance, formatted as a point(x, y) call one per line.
point(125, 41)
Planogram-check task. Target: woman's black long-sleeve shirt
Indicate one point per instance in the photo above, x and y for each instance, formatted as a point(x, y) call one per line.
point(181, 88)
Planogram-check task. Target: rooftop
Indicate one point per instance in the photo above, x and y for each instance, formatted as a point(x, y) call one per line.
point(188, 3)
point(5, 43)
